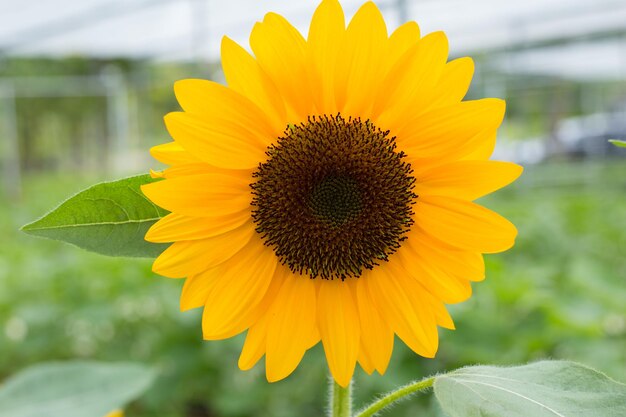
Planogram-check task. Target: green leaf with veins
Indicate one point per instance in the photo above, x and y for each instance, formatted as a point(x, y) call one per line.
point(541, 389)
point(110, 218)
point(73, 389)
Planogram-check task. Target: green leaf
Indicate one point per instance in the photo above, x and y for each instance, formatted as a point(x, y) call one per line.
point(110, 218)
point(73, 389)
point(620, 143)
point(541, 389)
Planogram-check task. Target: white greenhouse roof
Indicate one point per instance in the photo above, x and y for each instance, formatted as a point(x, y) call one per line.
point(192, 29)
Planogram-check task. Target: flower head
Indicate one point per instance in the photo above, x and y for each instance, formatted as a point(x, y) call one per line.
point(327, 192)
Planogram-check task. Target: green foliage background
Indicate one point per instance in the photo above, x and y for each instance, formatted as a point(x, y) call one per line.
point(559, 293)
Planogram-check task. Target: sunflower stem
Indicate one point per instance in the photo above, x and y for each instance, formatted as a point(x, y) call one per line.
point(341, 400)
point(396, 395)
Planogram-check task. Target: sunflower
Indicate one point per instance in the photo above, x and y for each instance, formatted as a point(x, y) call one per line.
point(326, 193)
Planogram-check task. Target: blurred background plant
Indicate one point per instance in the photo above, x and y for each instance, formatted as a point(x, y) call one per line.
point(83, 88)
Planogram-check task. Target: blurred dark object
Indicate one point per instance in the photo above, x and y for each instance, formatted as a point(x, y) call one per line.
point(588, 136)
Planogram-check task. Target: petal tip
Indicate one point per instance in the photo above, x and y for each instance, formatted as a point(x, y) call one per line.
point(438, 36)
point(156, 174)
point(244, 365)
point(272, 375)
point(343, 380)
point(150, 235)
point(382, 370)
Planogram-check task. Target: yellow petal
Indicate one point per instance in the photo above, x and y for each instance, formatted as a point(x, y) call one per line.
point(448, 281)
point(244, 282)
point(423, 303)
point(464, 265)
point(405, 318)
point(466, 180)
point(174, 227)
point(442, 317)
point(365, 361)
point(207, 195)
point(245, 76)
point(156, 174)
point(404, 91)
point(292, 320)
point(216, 142)
point(256, 339)
point(215, 103)
point(434, 277)
point(281, 52)
point(482, 147)
point(197, 289)
point(199, 168)
point(454, 82)
point(189, 257)
point(254, 345)
point(184, 169)
point(376, 335)
point(314, 337)
point(338, 321)
point(464, 224)
point(326, 35)
point(172, 153)
point(401, 40)
point(449, 133)
point(360, 62)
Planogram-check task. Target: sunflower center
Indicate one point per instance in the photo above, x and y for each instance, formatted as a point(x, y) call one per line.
point(334, 197)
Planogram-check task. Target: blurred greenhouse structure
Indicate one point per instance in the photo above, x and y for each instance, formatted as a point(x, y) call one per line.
point(84, 86)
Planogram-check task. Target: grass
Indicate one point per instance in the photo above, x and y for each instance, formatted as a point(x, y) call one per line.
point(557, 294)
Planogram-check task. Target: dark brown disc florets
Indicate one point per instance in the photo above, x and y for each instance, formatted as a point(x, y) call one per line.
point(333, 197)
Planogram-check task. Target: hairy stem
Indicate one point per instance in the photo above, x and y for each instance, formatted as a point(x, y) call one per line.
point(396, 395)
point(341, 405)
